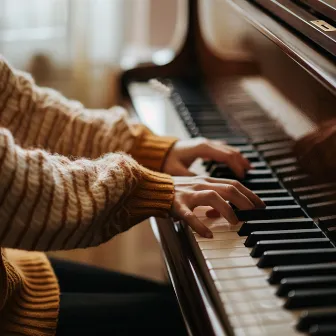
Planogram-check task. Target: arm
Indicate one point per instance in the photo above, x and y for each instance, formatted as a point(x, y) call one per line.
point(40, 117)
point(48, 202)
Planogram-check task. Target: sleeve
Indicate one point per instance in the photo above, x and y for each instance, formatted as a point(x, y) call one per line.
point(41, 117)
point(48, 202)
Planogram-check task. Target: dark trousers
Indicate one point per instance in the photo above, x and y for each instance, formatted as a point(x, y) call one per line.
point(95, 301)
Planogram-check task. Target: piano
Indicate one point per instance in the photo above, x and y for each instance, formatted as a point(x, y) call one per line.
point(269, 79)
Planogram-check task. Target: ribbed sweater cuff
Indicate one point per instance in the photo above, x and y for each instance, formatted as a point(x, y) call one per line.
point(153, 196)
point(151, 150)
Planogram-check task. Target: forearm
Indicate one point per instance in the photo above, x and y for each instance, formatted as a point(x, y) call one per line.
point(39, 117)
point(48, 202)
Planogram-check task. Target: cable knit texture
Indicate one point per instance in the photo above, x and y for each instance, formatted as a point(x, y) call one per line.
point(62, 188)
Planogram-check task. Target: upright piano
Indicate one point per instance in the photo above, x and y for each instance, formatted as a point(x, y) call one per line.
point(257, 74)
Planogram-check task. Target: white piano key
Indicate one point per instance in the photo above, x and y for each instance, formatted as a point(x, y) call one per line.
point(219, 224)
point(247, 295)
point(221, 244)
point(221, 236)
point(231, 262)
point(267, 330)
point(226, 253)
point(266, 318)
point(241, 284)
point(261, 306)
point(238, 273)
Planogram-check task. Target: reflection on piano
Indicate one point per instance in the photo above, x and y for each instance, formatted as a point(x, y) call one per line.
point(274, 273)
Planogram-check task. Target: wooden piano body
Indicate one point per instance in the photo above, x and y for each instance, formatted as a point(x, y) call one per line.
point(260, 67)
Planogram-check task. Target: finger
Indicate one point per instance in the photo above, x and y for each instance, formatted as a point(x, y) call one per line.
point(229, 193)
point(212, 213)
point(235, 196)
point(249, 194)
point(234, 150)
point(189, 217)
point(257, 202)
point(234, 160)
point(213, 199)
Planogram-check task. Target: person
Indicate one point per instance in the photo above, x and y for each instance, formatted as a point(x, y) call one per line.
point(71, 179)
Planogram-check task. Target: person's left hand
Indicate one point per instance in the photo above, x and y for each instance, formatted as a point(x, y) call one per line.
point(185, 152)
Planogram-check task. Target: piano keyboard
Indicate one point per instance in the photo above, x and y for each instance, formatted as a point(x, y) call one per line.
point(275, 272)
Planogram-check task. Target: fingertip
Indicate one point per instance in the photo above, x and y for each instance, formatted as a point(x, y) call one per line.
point(208, 234)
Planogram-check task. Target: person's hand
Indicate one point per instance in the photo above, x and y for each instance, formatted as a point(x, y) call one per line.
point(316, 152)
point(185, 152)
point(191, 192)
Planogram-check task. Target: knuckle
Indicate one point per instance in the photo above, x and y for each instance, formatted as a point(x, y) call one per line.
point(212, 194)
point(236, 184)
point(231, 190)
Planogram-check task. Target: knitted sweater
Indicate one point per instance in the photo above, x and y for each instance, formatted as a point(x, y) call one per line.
point(66, 183)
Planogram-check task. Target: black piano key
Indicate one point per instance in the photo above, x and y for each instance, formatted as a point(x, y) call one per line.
point(289, 284)
point(257, 236)
point(277, 154)
point(246, 148)
point(272, 193)
point(275, 145)
point(274, 225)
point(259, 165)
point(252, 156)
point(311, 318)
point(281, 272)
point(250, 174)
point(211, 121)
point(289, 244)
point(323, 330)
point(260, 126)
point(287, 200)
point(326, 222)
point(306, 298)
point(223, 130)
point(318, 197)
point(271, 212)
point(283, 162)
point(209, 117)
point(314, 188)
point(322, 209)
point(262, 183)
point(259, 140)
point(235, 141)
point(288, 171)
point(297, 181)
point(220, 135)
point(210, 164)
point(289, 257)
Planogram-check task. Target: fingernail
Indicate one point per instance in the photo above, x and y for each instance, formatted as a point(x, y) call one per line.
point(209, 234)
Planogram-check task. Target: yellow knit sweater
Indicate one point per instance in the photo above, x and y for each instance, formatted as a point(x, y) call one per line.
point(66, 183)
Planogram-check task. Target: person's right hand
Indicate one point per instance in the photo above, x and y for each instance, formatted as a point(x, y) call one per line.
point(191, 192)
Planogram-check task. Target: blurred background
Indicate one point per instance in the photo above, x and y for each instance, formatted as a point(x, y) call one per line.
point(80, 47)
